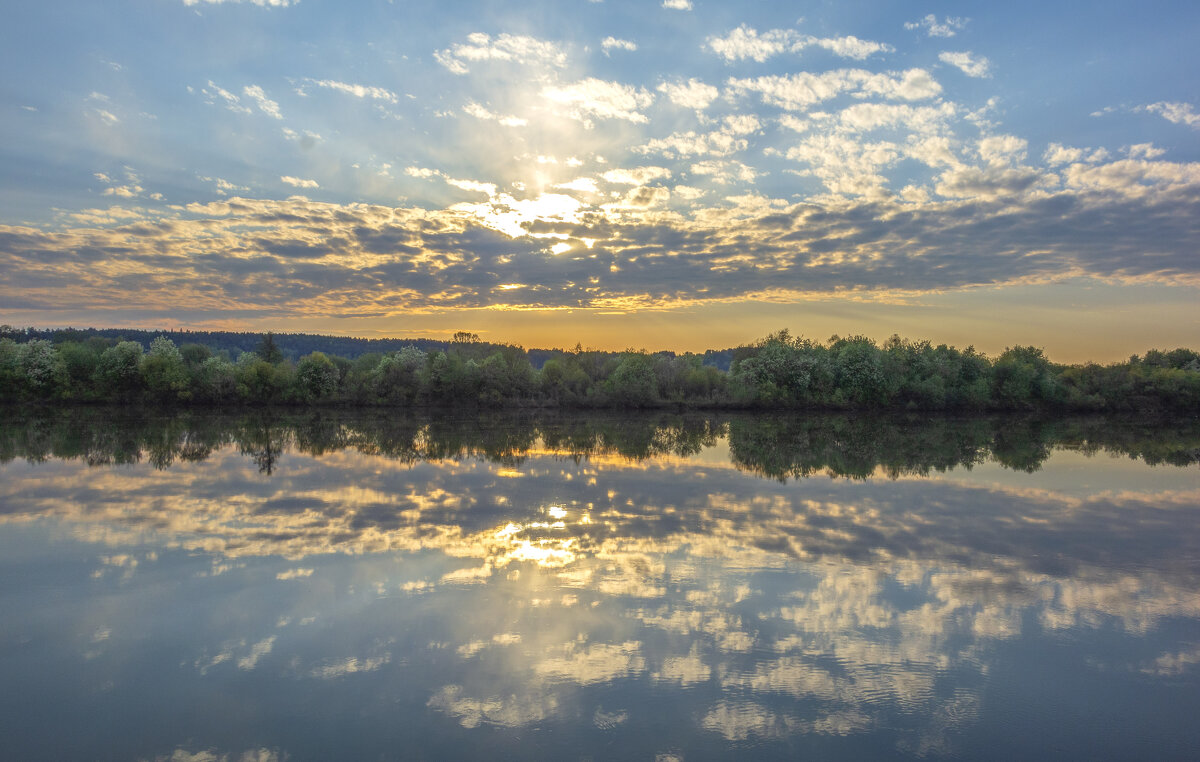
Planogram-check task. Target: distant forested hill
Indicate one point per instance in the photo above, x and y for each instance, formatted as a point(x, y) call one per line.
point(293, 345)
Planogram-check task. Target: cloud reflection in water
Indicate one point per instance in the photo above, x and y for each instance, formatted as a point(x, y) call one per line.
point(551, 587)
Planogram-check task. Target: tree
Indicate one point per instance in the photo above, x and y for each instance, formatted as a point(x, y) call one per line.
point(216, 380)
point(41, 367)
point(79, 362)
point(164, 372)
point(268, 350)
point(633, 383)
point(397, 377)
point(316, 377)
point(118, 372)
point(861, 378)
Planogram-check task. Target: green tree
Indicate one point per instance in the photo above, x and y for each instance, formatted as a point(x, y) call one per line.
point(259, 381)
point(397, 379)
point(41, 367)
point(633, 383)
point(118, 372)
point(861, 378)
point(164, 372)
point(268, 350)
point(217, 380)
point(316, 377)
point(79, 362)
point(10, 370)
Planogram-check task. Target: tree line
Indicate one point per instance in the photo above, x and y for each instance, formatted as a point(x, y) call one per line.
point(778, 372)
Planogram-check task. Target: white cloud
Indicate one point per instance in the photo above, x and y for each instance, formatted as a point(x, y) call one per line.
point(970, 65)
point(691, 94)
point(581, 184)
point(948, 27)
point(1145, 151)
point(725, 172)
point(1057, 154)
point(482, 112)
point(232, 102)
point(849, 46)
point(604, 100)
point(846, 165)
point(257, 651)
point(678, 5)
point(795, 92)
point(862, 117)
point(294, 574)
point(688, 192)
point(990, 182)
point(473, 186)
point(635, 175)
point(306, 139)
point(1174, 111)
point(265, 104)
point(224, 187)
point(298, 182)
point(611, 43)
point(720, 142)
point(259, 3)
point(130, 189)
point(520, 49)
point(358, 91)
point(1001, 150)
point(745, 42)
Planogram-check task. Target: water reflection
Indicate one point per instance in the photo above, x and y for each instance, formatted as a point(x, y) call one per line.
point(560, 587)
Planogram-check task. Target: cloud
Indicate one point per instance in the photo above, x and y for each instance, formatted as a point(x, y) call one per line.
point(358, 91)
point(969, 64)
point(294, 574)
point(481, 112)
point(1057, 154)
point(612, 43)
point(993, 221)
point(692, 94)
point(678, 5)
point(231, 101)
point(581, 184)
point(796, 92)
point(129, 188)
point(299, 183)
point(849, 46)
point(519, 49)
point(636, 175)
point(727, 139)
point(224, 187)
point(1174, 111)
point(746, 43)
point(948, 27)
point(257, 652)
point(265, 104)
point(1145, 151)
point(260, 3)
point(600, 99)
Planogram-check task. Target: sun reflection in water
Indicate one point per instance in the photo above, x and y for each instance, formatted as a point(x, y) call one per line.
point(519, 541)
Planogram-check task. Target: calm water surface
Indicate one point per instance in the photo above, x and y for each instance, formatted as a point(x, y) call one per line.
point(658, 588)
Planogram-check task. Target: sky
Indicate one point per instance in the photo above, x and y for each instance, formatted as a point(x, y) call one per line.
point(659, 174)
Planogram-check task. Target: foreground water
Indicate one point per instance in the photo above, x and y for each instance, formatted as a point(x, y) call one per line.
point(381, 587)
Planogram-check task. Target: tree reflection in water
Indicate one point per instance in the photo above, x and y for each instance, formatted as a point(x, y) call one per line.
point(527, 586)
